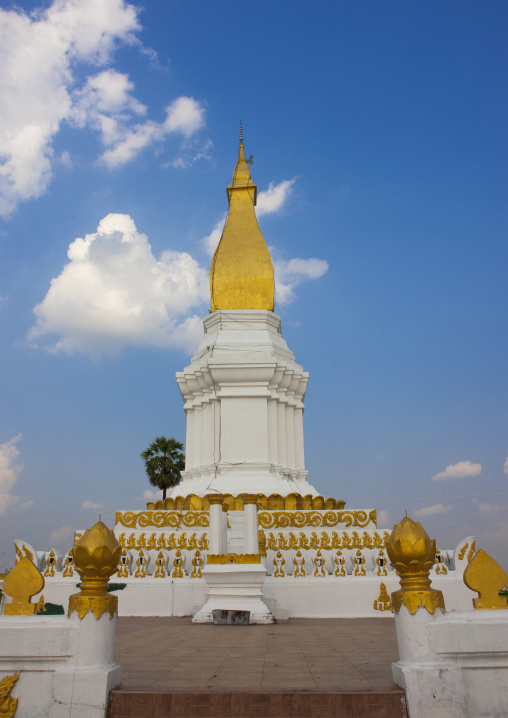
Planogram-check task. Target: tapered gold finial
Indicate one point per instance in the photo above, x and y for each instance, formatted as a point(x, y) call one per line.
point(412, 554)
point(96, 558)
point(241, 275)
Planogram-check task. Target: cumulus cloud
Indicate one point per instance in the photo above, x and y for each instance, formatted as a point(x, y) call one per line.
point(61, 537)
point(41, 56)
point(10, 469)
point(113, 292)
point(461, 470)
point(434, 510)
point(274, 198)
point(486, 509)
point(290, 273)
point(90, 505)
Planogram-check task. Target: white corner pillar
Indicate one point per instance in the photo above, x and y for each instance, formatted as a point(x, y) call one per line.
point(250, 512)
point(215, 529)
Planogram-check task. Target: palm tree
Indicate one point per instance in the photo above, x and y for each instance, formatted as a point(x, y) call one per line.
point(164, 461)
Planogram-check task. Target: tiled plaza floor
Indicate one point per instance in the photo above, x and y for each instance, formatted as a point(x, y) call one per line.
point(159, 654)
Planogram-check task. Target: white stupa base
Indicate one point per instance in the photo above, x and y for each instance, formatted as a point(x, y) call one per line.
point(247, 478)
point(235, 587)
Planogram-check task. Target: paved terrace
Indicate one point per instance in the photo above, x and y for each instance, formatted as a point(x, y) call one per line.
point(302, 653)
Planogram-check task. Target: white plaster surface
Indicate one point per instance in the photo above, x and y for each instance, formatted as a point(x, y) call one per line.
point(66, 665)
point(453, 665)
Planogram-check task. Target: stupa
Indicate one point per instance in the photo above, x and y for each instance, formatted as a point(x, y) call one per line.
point(244, 497)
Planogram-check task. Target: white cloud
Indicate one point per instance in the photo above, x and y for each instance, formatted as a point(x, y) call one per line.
point(274, 198)
point(461, 470)
point(211, 241)
point(434, 510)
point(184, 115)
point(505, 469)
point(27, 504)
point(10, 469)
point(149, 495)
point(382, 518)
point(90, 505)
point(41, 56)
point(61, 537)
point(290, 273)
point(489, 509)
point(113, 292)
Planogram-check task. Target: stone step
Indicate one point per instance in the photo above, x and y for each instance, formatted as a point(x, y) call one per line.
point(257, 704)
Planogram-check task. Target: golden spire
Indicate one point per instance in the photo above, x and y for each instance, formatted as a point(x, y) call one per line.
point(241, 275)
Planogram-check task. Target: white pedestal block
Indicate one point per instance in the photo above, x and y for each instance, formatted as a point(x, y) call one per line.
point(235, 587)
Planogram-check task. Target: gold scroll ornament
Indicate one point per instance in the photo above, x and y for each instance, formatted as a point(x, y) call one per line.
point(96, 557)
point(23, 582)
point(301, 519)
point(412, 554)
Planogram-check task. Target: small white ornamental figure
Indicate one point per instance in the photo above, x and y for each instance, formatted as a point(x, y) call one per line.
point(359, 564)
point(439, 564)
point(299, 563)
point(160, 566)
point(178, 563)
point(50, 564)
point(123, 564)
point(339, 561)
point(319, 565)
point(69, 564)
point(197, 565)
point(381, 564)
point(141, 565)
point(278, 562)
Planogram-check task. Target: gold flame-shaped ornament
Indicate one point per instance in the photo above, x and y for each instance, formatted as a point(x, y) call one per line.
point(23, 582)
point(96, 558)
point(412, 554)
point(8, 705)
point(241, 275)
point(487, 578)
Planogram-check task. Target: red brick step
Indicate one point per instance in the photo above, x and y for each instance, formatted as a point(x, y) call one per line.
point(256, 704)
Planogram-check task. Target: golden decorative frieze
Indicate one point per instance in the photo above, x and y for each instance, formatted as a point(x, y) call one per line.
point(169, 542)
point(224, 558)
point(326, 542)
point(487, 578)
point(162, 519)
point(301, 519)
point(412, 554)
point(96, 557)
point(8, 705)
point(141, 563)
point(21, 583)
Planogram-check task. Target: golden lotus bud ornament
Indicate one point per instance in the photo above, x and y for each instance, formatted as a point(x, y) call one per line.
point(412, 554)
point(96, 557)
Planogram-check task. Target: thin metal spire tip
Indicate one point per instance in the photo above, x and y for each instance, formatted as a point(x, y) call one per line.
point(241, 132)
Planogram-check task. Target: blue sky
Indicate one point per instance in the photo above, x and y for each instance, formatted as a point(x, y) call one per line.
point(379, 138)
